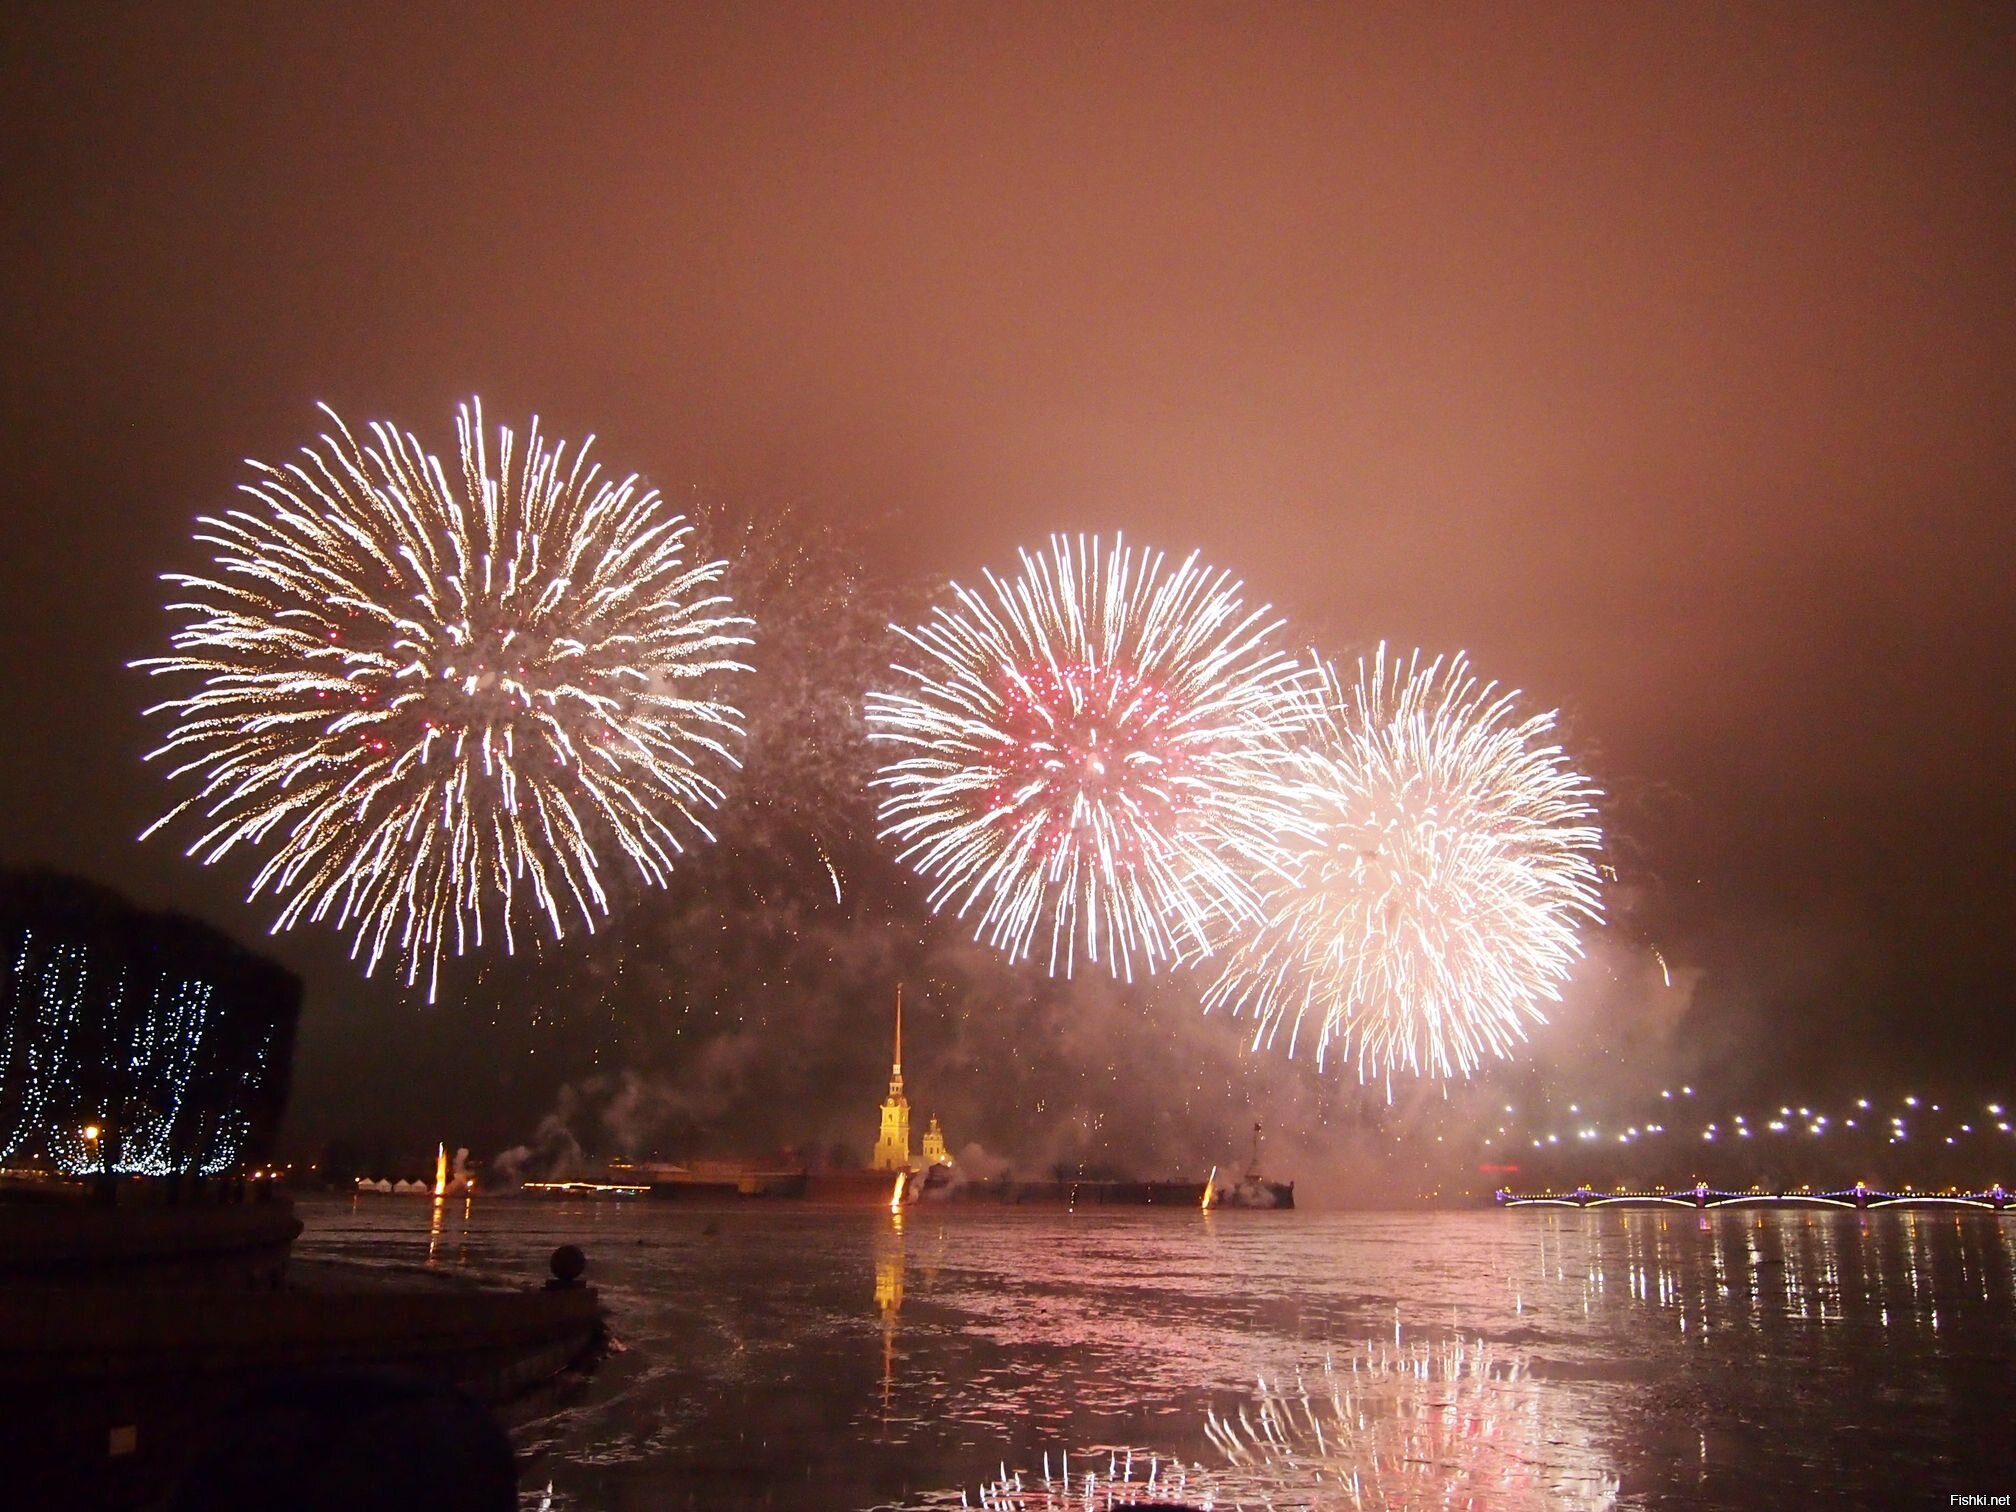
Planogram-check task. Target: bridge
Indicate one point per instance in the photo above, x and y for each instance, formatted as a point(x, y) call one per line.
point(1858, 1198)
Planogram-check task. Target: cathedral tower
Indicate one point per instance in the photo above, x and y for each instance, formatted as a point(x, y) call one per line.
point(892, 1148)
point(935, 1152)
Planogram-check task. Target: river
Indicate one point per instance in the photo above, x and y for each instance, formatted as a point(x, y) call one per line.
point(780, 1356)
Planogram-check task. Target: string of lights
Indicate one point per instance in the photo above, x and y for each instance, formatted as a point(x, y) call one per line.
point(1949, 1121)
point(135, 1044)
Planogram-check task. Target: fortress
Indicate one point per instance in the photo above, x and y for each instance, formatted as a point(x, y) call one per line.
point(892, 1144)
point(787, 1174)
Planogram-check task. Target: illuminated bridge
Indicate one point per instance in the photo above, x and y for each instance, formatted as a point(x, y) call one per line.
point(1701, 1195)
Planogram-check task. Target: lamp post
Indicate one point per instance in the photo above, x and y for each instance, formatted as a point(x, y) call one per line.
point(94, 1137)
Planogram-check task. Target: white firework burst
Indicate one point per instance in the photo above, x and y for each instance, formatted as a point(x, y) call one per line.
point(1095, 749)
point(427, 698)
point(1450, 865)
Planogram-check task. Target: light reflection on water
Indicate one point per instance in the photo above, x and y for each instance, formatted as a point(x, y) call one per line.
point(792, 1358)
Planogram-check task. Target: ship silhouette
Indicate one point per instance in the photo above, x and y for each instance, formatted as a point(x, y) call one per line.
point(1251, 1190)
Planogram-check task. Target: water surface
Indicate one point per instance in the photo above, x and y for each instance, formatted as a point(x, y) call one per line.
point(788, 1357)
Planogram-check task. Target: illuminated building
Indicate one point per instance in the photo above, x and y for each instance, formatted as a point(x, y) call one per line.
point(935, 1152)
point(133, 1042)
point(892, 1147)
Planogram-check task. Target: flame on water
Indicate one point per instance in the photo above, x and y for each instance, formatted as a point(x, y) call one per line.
point(1211, 1190)
point(441, 1171)
point(896, 1197)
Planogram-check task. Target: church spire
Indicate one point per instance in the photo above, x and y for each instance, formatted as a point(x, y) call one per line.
point(896, 1062)
point(892, 1149)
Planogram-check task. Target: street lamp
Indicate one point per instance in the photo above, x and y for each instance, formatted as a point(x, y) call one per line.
point(94, 1136)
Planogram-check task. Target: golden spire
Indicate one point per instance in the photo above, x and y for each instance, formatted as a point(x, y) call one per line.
point(896, 1066)
point(892, 1149)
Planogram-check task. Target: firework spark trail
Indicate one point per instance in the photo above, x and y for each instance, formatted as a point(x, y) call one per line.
point(1095, 750)
point(801, 795)
point(1440, 903)
point(432, 696)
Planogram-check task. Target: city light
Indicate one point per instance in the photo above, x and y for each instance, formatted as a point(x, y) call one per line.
point(149, 1114)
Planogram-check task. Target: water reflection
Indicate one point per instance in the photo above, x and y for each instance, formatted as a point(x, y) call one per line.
point(889, 1298)
point(1458, 1423)
point(1452, 1424)
point(1752, 1271)
point(438, 1212)
point(795, 1359)
point(1111, 1480)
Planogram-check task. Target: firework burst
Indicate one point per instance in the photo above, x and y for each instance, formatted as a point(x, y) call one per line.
point(431, 698)
point(1094, 751)
point(1438, 902)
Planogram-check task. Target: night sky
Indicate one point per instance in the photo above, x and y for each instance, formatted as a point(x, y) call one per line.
point(1660, 358)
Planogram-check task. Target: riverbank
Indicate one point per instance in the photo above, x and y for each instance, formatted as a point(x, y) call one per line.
point(136, 1338)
